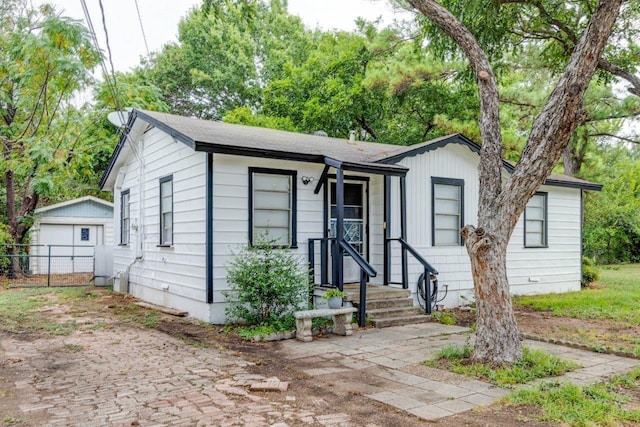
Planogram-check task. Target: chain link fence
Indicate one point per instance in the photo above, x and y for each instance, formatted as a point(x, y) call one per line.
point(46, 265)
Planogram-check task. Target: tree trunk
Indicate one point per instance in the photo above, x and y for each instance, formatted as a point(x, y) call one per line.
point(500, 205)
point(497, 336)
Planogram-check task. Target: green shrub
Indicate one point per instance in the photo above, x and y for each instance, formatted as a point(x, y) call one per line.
point(590, 272)
point(266, 284)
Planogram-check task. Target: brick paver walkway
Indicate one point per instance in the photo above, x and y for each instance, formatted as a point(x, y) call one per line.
point(128, 376)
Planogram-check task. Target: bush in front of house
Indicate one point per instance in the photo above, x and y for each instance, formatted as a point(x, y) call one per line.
point(266, 284)
point(589, 272)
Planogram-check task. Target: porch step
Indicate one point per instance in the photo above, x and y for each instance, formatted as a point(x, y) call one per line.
point(392, 312)
point(387, 306)
point(399, 321)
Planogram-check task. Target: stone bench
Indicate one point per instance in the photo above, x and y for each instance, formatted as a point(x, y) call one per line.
point(341, 321)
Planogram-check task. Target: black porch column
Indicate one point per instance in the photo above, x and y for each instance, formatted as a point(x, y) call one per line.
point(403, 231)
point(339, 263)
point(386, 278)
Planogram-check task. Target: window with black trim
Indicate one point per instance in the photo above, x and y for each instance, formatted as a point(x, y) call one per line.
point(125, 217)
point(166, 211)
point(272, 206)
point(447, 201)
point(535, 222)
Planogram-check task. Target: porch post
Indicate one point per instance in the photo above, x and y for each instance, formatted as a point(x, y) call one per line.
point(339, 262)
point(386, 277)
point(403, 231)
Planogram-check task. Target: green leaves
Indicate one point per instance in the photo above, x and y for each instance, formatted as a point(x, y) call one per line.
point(266, 284)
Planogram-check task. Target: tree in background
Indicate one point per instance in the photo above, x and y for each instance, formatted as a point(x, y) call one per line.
point(222, 61)
point(44, 59)
point(612, 217)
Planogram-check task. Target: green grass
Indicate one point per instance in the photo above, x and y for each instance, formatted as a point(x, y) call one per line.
point(615, 297)
point(601, 404)
point(534, 364)
point(20, 308)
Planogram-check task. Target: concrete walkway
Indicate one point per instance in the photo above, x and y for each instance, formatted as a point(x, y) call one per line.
point(385, 365)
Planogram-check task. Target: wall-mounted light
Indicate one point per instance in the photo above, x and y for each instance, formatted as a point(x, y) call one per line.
point(307, 179)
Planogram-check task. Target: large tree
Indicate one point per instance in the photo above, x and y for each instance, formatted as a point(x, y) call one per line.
point(501, 203)
point(44, 59)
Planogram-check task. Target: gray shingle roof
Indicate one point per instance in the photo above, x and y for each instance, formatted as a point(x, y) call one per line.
point(220, 137)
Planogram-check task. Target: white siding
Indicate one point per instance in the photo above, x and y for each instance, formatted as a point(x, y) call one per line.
point(555, 268)
point(231, 216)
point(169, 276)
point(561, 259)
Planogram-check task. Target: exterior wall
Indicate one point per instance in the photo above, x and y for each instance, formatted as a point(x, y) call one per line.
point(561, 258)
point(556, 268)
point(170, 276)
point(231, 217)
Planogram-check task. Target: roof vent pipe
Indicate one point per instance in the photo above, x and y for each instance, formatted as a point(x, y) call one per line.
point(352, 135)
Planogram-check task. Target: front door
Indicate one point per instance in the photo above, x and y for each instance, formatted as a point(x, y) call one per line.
point(355, 223)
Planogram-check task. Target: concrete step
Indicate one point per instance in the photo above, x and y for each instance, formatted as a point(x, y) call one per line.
point(388, 303)
point(399, 321)
point(377, 293)
point(390, 312)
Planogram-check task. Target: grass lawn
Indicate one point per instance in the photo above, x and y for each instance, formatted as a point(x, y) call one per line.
point(604, 317)
point(616, 296)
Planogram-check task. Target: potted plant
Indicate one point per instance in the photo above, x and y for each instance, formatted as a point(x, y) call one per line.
point(334, 297)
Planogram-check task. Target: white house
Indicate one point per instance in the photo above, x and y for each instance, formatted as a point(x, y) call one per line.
point(188, 191)
point(70, 231)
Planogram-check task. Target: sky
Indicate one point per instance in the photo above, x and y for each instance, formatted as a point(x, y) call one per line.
point(160, 20)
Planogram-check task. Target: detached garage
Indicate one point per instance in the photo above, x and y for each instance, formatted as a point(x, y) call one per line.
point(64, 236)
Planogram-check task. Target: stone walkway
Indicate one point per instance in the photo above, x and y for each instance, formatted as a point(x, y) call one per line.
point(134, 377)
point(384, 365)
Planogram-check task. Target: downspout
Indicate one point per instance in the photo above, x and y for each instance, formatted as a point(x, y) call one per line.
point(141, 183)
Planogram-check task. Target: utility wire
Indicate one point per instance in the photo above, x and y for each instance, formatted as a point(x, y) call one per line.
point(109, 78)
point(144, 36)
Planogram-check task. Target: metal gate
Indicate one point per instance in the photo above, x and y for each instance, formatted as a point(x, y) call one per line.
point(46, 265)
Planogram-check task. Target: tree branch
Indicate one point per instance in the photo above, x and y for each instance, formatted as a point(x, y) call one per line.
point(562, 113)
point(489, 122)
point(611, 135)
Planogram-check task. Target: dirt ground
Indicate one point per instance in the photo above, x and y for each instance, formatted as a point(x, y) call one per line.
point(265, 360)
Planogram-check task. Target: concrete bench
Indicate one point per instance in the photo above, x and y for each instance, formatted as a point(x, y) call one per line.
point(341, 321)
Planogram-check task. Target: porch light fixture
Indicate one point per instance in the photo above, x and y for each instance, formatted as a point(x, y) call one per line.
point(307, 179)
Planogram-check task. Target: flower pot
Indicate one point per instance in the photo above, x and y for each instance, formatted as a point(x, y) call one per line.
point(335, 302)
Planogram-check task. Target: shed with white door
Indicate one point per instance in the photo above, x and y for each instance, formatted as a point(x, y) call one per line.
point(72, 228)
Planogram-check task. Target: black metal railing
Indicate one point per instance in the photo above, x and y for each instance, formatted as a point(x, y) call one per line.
point(324, 258)
point(366, 271)
point(428, 271)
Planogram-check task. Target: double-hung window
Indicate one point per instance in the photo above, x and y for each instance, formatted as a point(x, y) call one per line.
point(447, 201)
point(125, 217)
point(166, 211)
point(272, 206)
point(535, 222)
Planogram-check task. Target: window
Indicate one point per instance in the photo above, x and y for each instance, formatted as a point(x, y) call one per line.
point(125, 217)
point(447, 201)
point(166, 211)
point(272, 206)
point(535, 222)
point(84, 234)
